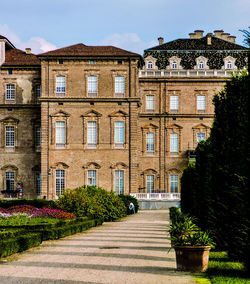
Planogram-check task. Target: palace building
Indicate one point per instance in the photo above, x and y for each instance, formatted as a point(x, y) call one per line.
point(104, 116)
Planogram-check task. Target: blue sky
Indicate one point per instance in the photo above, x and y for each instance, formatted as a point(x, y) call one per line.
point(130, 24)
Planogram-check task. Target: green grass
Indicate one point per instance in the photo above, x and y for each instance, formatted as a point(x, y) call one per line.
point(223, 271)
point(22, 220)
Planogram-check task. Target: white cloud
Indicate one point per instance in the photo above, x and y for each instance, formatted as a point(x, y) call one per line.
point(37, 44)
point(128, 41)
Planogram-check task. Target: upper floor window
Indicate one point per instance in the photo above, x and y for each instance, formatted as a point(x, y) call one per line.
point(60, 134)
point(150, 183)
point(92, 86)
point(200, 137)
point(60, 181)
point(10, 136)
point(201, 103)
point(38, 91)
point(38, 136)
point(119, 181)
point(38, 183)
point(174, 65)
point(150, 103)
point(229, 65)
point(150, 65)
point(9, 180)
point(92, 177)
point(174, 142)
point(174, 183)
point(10, 92)
point(60, 84)
point(91, 134)
point(119, 86)
point(174, 103)
point(150, 143)
point(201, 65)
point(92, 62)
point(119, 134)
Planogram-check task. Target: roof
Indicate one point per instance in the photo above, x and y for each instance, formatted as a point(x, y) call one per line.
point(9, 43)
point(84, 50)
point(198, 44)
point(17, 57)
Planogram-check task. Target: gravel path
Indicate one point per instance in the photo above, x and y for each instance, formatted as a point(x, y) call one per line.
point(134, 250)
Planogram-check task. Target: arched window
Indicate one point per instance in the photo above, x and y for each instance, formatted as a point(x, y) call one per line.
point(174, 65)
point(201, 65)
point(150, 65)
point(229, 65)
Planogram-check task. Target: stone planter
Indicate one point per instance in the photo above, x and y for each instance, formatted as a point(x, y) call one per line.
point(192, 258)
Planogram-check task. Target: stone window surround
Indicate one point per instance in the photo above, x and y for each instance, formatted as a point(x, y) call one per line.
point(200, 128)
point(173, 171)
point(56, 73)
point(174, 59)
point(52, 176)
point(119, 166)
point(9, 121)
point(143, 179)
point(174, 128)
point(120, 73)
point(232, 60)
point(150, 59)
point(91, 166)
point(200, 93)
point(174, 93)
point(150, 128)
point(201, 59)
point(9, 168)
point(149, 93)
point(8, 81)
point(92, 72)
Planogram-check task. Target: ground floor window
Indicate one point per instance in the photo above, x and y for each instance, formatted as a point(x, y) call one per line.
point(38, 183)
point(150, 183)
point(9, 181)
point(119, 181)
point(200, 137)
point(92, 177)
point(174, 183)
point(60, 181)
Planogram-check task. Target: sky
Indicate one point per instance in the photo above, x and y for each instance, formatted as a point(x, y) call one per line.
point(130, 24)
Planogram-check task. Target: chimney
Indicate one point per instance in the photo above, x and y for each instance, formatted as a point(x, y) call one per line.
point(218, 33)
point(209, 39)
point(160, 39)
point(192, 35)
point(28, 50)
point(198, 33)
point(225, 36)
point(231, 38)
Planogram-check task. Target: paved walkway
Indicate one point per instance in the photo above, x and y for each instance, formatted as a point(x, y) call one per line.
point(134, 250)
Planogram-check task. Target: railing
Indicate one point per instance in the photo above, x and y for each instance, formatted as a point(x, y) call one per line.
point(156, 196)
point(185, 73)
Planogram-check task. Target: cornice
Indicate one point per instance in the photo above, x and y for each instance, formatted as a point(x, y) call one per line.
point(72, 99)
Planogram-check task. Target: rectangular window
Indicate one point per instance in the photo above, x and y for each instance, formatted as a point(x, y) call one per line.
point(150, 142)
point(119, 181)
point(38, 91)
point(201, 103)
point(174, 103)
point(9, 180)
point(10, 136)
point(200, 137)
point(174, 183)
point(60, 134)
point(10, 92)
point(174, 142)
point(119, 86)
point(91, 134)
point(150, 183)
point(119, 134)
point(38, 183)
point(150, 103)
point(60, 181)
point(60, 84)
point(38, 136)
point(92, 86)
point(92, 177)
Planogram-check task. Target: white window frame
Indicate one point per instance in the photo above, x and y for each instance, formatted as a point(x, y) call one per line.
point(174, 103)
point(10, 92)
point(174, 183)
point(200, 136)
point(150, 103)
point(92, 177)
point(119, 181)
point(201, 65)
point(91, 134)
point(119, 134)
point(60, 134)
point(119, 86)
point(150, 142)
point(11, 177)
point(174, 65)
point(10, 136)
point(229, 65)
point(150, 65)
point(92, 86)
point(174, 142)
point(60, 84)
point(150, 183)
point(201, 103)
point(60, 181)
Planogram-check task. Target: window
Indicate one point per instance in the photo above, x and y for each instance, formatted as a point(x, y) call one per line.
point(150, 183)
point(60, 61)
point(229, 65)
point(150, 143)
point(92, 86)
point(60, 134)
point(9, 136)
point(60, 84)
point(60, 181)
point(92, 177)
point(38, 91)
point(10, 71)
point(150, 103)
point(9, 180)
point(119, 86)
point(10, 92)
point(38, 183)
point(150, 65)
point(174, 65)
point(174, 183)
point(200, 137)
point(174, 103)
point(91, 62)
point(201, 65)
point(201, 102)
point(91, 134)
point(119, 134)
point(119, 181)
point(174, 142)
point(38, 136)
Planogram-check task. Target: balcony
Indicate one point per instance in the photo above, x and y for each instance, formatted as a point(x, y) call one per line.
point(165, 196)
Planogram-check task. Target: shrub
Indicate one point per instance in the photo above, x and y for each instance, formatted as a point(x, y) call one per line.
point(127, 199)
point(93, 202)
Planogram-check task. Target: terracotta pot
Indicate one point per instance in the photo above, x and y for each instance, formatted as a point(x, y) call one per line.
point(192, 258)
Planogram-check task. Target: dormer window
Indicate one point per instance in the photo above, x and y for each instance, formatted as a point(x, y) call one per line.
point(150, 65)
point(201, 65)
point(174, 65)
point(229, 65)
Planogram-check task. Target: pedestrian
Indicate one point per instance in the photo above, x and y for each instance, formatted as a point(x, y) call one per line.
point(132, 207)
